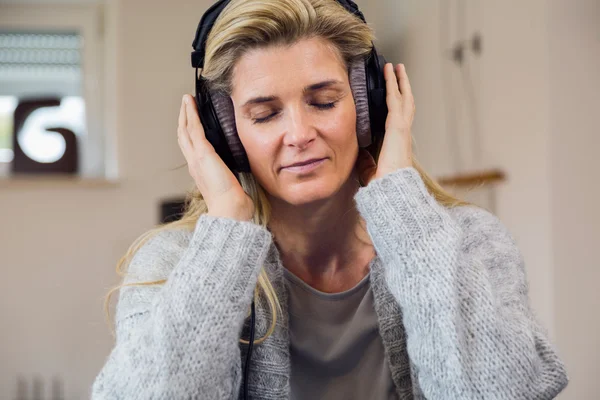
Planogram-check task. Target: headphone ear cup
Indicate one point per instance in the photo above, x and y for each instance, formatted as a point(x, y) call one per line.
point(377, 94)
point(358, 85)
point(212, 127)
point(224, 110)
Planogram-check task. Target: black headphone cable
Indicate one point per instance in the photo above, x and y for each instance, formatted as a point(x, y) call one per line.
point(249, 353)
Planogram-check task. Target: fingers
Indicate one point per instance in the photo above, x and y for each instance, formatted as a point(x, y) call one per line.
point(193, 124)
point(399, 92)
point(190, 136)
point(190, 132)
point(183, 137)
point(403, 82)
point(391, 84)
point(397, 80)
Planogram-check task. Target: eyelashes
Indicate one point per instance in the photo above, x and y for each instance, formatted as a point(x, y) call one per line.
point(319, 106)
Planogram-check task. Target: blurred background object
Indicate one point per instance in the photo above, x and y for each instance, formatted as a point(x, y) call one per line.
point(38, 65)
point(35, 156)
point(51, 53)
point(171, 210)
point(505, 94)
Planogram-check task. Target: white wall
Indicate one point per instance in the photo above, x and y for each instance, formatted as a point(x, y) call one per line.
point(59, 247)
point(574, 93)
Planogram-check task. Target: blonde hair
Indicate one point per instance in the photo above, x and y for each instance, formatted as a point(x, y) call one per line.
point(248, 24)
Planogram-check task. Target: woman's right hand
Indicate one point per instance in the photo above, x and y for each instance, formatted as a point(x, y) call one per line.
point(222, 192)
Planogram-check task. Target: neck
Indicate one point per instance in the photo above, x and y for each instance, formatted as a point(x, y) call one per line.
point(325, 244)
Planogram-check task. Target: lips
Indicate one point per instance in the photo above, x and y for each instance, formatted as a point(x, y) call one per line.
point(306, 162)
point(304, 167)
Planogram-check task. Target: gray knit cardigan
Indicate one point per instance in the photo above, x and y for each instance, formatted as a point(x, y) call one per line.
point(450, 294)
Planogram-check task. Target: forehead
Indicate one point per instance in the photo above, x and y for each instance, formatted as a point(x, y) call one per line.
point(270, 70)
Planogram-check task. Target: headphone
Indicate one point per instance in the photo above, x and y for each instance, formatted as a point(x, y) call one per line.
point(216, 109)
point(218, 120)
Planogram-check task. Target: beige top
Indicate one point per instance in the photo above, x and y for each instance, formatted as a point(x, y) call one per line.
point(335, 347)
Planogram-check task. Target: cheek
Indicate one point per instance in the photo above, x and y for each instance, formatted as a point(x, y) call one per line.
point(260, 148)
point(346, 142)
point(342, 130)
point(253, 143)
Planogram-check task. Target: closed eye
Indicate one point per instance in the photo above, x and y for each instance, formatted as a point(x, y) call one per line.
point(325, 106)
point(320, 106)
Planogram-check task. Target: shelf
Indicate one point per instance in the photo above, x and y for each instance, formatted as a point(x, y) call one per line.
point(475, 178)
point(54, 181)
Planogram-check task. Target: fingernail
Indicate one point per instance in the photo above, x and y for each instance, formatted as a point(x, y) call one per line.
point(186, 100)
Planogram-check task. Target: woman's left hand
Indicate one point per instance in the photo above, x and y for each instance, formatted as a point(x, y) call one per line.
point(396, 151)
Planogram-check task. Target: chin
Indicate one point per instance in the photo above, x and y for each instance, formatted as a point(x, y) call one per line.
point(310, 191)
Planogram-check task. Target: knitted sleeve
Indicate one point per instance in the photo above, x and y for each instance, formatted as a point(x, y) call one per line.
point(180, 340)
point(460, 281)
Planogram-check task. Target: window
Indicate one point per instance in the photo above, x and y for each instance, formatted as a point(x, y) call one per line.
point(51, 65)
point(7, 107)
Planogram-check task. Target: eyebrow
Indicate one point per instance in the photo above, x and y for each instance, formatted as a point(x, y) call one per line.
point(311, 88)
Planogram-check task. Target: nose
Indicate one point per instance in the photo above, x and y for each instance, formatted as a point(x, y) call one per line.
point(299, 131)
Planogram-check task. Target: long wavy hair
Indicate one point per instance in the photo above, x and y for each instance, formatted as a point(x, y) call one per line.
point(248, 24)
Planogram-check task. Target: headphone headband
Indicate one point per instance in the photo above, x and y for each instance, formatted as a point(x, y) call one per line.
point(211, 15)
point(204, 27)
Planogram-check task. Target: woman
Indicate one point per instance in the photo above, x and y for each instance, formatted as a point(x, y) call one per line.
point(369, 280)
